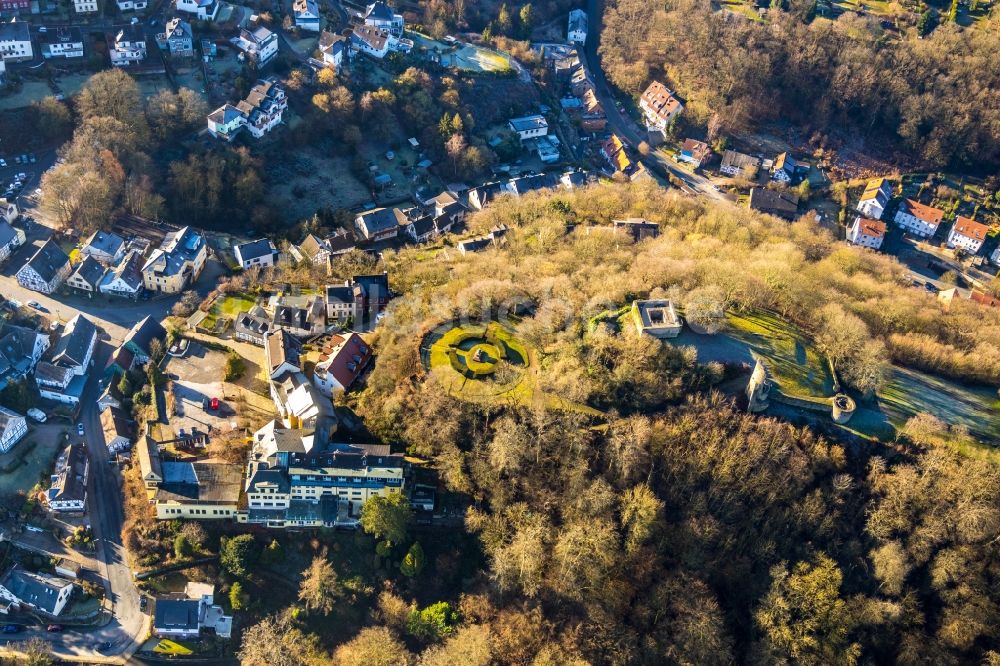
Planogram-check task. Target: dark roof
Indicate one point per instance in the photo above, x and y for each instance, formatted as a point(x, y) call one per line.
point(71, 349)
point(527, 184)
point(90, 270)
point(38, 590)
point(423, 225)
point(17, 345)
point(379, 11)
point(341, 293)
point(200, 481)
point(14, 31)
point(144, 332)
point(48, 260)
point(176, 615)
point(269, 476)
point(68, 484)
point(373, 286)
point(378, 220)
point(105, 241)
point(783, 204)
point(115, 423)
point(7, 233)
point(291, 316)
point(255, 249)
point(251, 324)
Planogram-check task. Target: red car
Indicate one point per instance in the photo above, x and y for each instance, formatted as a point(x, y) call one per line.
point(54, 627)
point(215, 403)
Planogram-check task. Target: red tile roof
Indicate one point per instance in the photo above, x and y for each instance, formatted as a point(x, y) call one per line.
point(928, 214)
point(970, 228)
point(660, 100)
point(872, 228)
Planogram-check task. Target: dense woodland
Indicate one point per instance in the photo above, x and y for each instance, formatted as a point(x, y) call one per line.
point(686, 532)
point(935, 97)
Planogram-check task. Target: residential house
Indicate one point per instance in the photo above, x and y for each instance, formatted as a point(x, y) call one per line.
point(306, 15)
point(59, 383)
point(125, 279)
point(371, 40)
point(40, 592)
point(659, 106)
point(332, 47)
point(480, 196)
point(616, 155)
point(252, 326)
point(380, 223)
point(302, 321)
point(697, 153)
point(866, 232)
point(320, 251)
point(131, 5)
point(261, 253)
point(185, 617)
point(576, 29)
point(87, 277)
point(480, 243)
point(259, 45)
point(177, 263)
point(85, 6)
point(15, 40)
point(739, 164)
point(195, 491)
point(282, 352)
point(875, 198)
point(203, 10)
point(139, 341)
point(150, 464)
point(8, 209)
point(657, 318)
point(68, 489)
point(380, 15)
point(121, 361)
point(341, 305)
point(128, 46)
point(46, 270)
point(119, 430)
point(982, 298)
point(75, 347)
point(528, 127)
point(340, 364)
point(785, 169)
point(13, 427)
point(918, 219)
point(110, 397)
point(371, 294)
point(64, 42)
point(259, 113)
point(20, 350)
point(592, 116)
point(177, 39)
point(10, 238)
point(775, 202)
point(638, 228)
point(105, 246)
point(967, 234)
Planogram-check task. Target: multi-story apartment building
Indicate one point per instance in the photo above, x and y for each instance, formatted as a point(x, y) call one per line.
point(176, 263)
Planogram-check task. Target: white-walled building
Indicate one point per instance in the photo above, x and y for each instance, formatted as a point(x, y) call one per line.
point(875, 198)
point(46, 270)
point(380, 15)
point(203, 10)
point(529, 127)
point(866, 232)
point(306, 15)
point(918, 219)
point(68, 489)
point(62, 43)
point(13, 427)
point(259, 45)
point(258, 114)
point(40, 592)
point(345, 361)
point(128, 46)
point(332, 47)
point(85, 6)
point(967, 234)
point(261, 253)
point(576, 29)
point(15, 41)
point(659, 106)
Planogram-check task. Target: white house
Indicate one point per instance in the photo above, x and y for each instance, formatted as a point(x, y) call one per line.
point(43, 593)
point(306, 15)
point(46, 270)
point(259, 45)
point(85, 6)
point(125, 279)
point(128, 47)
point(917, 218)
point(332, 47)
point(21, 348)
point(10, 238)
point(203, 10)
point(13, 427)
point(866, 232)
point(260, 253)
point(380, 223)
point(87, 277)
point(131, 5)
point(259, 113)
point(104, 246)
point(659, 106)
point(576, 30)
point(346, 361)
point(529, 127)
point(874, 199)
point(967, 234)
point(380, 15)
point(62, 43)
point(117, 429)
point(59, 384)
point(15, 41)
point(68, 491)
point(177, 38)
point(376, 42)
point(8, 209)
point(75, 347)
point(995, 257)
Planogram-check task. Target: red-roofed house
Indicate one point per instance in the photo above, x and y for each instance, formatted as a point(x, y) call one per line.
point(695, 152)
point(918, 219)
point(866, 232)
point(659, 106)
point(967, 234)
point(346, 362)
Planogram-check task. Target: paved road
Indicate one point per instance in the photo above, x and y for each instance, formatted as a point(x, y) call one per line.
point(626, 128)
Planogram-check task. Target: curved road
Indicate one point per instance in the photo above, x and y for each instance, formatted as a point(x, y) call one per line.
point(622, 125)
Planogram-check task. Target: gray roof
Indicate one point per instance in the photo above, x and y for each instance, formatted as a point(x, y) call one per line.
point(6, 417)
point(340, 293)
point(379, 11)
point(176, 615)
point(783, 204)
point(75, 341)
point(200, 482)
point(17, 345)
point(526, 184)
point(251, 324)
point(263, 475)
point(7, 233)
point(528, 123)
point(104, 241)
point(255, 249)
point(378, 220)
point(48, 260)
point(90, 271)
point(68, 484)
point(144, 332)
point(36, 589)
point(128, 270)
point(14, 31)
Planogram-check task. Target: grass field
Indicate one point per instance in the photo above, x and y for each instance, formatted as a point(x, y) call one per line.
point(464, 56)
point(227, 306)
point(304, 180)
point(36, 462)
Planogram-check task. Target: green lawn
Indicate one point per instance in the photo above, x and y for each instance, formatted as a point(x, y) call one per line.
point(35, 461)
point(228, 306)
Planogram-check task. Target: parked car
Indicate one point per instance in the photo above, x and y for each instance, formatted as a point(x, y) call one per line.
point(11, 628)
point(42, 28)
point(215, 404)
point(37, 414)
point(35, 304)
point(54, 627)
point(143, 602)
point(79, 429)
point(3, 162)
